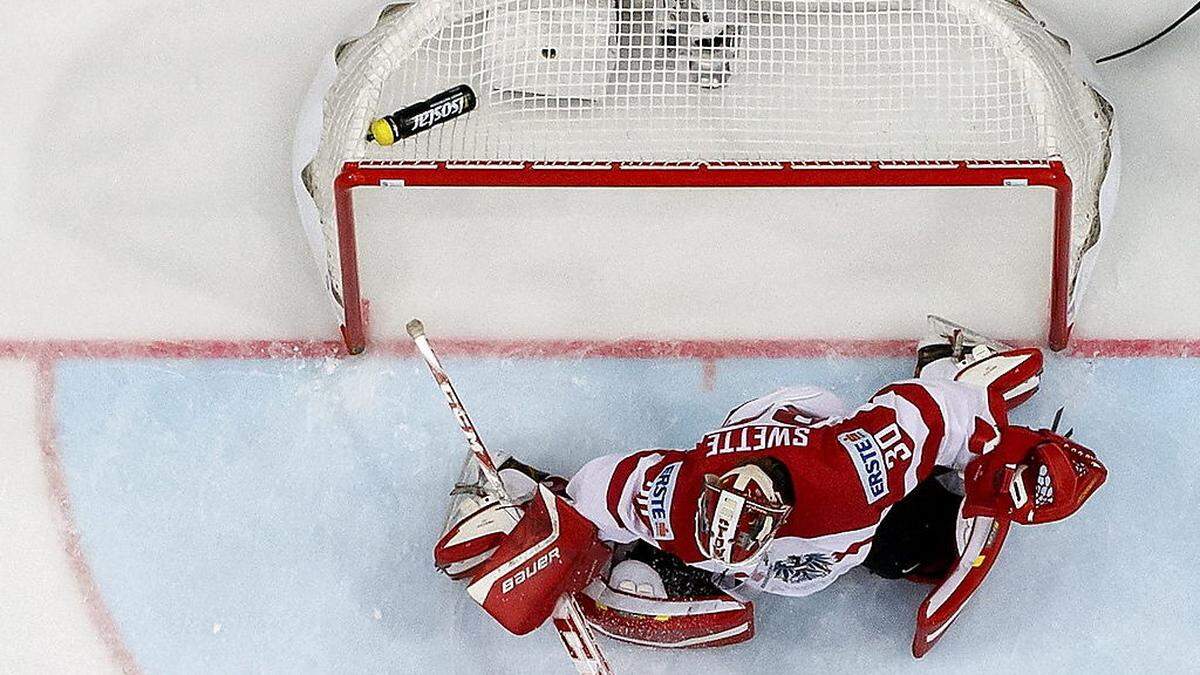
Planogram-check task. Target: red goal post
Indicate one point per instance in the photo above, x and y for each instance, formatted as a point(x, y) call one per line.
point(1050, 175)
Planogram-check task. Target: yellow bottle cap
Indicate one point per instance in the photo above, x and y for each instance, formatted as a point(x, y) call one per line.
point(381, 129)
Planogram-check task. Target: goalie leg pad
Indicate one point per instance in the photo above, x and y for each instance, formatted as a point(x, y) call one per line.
point(980, 540)
point(1032, 477)
point(633, 606)
point(1012, 376)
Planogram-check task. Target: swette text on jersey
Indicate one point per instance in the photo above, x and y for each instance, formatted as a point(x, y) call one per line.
point(753, 438)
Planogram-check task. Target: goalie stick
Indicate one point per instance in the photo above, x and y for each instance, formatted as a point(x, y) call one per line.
point(576, 635)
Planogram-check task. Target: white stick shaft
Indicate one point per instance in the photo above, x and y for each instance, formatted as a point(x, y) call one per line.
point(460, 412)
point(568, 619)
point(578, 639)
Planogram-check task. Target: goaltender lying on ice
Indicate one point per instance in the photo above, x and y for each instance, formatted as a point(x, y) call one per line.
point(667, 548)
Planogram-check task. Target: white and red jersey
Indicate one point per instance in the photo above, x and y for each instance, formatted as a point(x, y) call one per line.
point(846, 470)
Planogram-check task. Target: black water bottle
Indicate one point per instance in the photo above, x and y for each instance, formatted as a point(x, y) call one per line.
point(421, 117)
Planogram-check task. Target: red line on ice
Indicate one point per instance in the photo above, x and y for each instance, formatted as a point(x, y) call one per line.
point(702, 350)
point(708, 375)
point(98, 612)
point(1135, 348)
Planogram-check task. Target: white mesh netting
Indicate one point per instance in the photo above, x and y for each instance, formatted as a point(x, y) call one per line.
point(721, 81)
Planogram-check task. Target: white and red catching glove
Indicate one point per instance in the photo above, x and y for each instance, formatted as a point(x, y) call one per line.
point(519, 568)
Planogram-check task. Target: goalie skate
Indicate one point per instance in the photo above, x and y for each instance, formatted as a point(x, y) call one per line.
point(963, 340)
point(651, 598)
point(956, 352)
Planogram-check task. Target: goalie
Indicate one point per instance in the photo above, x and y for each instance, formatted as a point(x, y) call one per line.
point(790, 492)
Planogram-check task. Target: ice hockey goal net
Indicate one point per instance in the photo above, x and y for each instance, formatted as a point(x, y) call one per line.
point(714, 93)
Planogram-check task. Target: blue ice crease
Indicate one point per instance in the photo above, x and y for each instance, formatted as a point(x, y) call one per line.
point(277, 516)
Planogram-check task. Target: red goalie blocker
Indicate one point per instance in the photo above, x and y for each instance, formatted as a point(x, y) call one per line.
point(551, 552)
point(1034, 476)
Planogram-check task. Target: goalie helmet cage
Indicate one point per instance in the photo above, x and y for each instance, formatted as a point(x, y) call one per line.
point(714, 93)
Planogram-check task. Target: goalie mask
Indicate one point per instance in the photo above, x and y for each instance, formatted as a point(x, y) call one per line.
point(741, 511)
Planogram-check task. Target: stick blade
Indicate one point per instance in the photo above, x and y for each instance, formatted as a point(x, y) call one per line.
point(416, 329)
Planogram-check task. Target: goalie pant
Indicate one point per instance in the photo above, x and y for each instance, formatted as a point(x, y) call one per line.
point(847, 472)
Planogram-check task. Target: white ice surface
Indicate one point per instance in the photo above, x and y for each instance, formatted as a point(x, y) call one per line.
point(146, 190)
point(145, 193)
point(628, 263)
point(44, 625)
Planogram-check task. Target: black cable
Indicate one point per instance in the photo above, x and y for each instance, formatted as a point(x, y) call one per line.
point(1156, 38)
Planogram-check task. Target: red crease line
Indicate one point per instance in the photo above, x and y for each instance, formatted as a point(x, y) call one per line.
point(97, 610)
